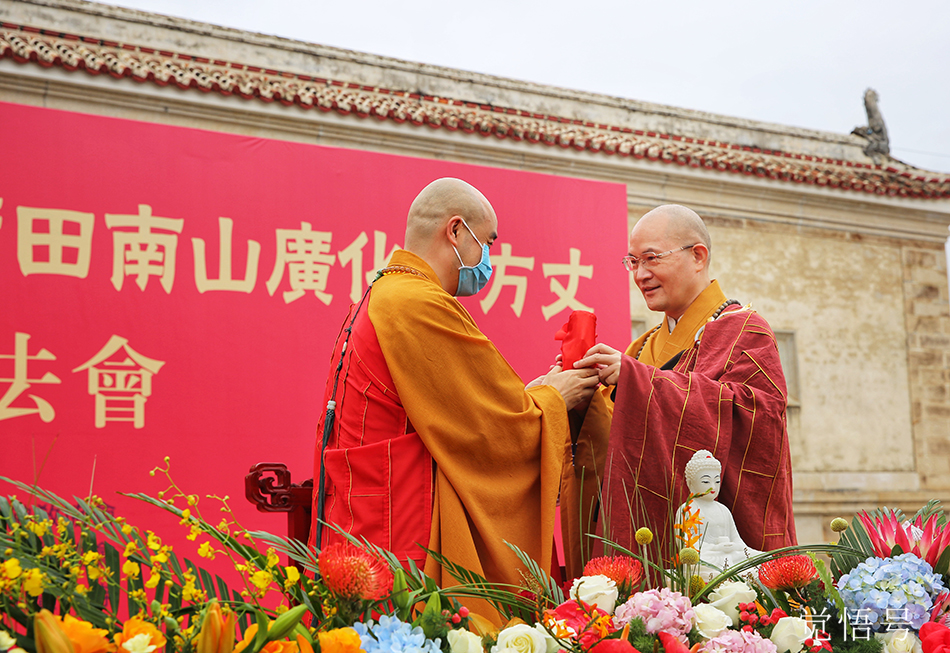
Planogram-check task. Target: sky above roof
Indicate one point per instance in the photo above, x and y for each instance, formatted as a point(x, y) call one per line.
point(803, 64)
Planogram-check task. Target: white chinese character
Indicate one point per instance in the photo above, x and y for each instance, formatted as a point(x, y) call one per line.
point(501, 278)
point(352, 255)
point(143, 253)
point(567, 295)
point(121, 384)
point(20, 382)
point(860, 621)
point(52, 241)
point(305, 254)
point(224, 280)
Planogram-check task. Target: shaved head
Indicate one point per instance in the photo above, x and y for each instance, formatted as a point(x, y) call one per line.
point(678, 235)
point(440, 201)
point(448, 223)
point(677, 223)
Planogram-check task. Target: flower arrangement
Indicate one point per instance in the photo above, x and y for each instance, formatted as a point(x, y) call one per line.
point(84, 581)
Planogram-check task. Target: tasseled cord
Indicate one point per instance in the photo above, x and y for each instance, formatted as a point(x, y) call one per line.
point(328, 422)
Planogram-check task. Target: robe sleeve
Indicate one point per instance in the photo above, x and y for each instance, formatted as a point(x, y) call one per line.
point(497, 448)
point(727, 394)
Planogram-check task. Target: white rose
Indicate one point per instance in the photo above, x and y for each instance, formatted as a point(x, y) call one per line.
point(710, 621)
point(596, 590)
point(463, 641)
point(552, 644)
point(727, 597)
point(899, 641)
point(790, 634)
point(520, 638)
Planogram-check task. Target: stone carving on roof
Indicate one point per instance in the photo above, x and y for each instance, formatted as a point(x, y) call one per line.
point(878, 147)
point(30, 45)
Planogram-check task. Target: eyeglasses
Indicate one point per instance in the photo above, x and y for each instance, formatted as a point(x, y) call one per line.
point(649, 259)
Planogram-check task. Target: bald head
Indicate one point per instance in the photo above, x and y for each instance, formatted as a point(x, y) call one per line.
point(671, 283)
point(439, 202)
point(448, 223)
point(677, 223)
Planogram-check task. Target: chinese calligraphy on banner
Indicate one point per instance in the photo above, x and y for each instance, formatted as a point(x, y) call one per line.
point(169, 291)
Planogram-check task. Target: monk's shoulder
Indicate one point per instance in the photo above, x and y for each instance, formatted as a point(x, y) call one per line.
point(739, 322)
point(412, 301)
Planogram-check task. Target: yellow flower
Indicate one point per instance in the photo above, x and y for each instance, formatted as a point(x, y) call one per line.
point(130, 548)
point(272, 558)
point(293, 577)
point(194, 533)
point(11, 569)
point(689, 556)
point(130, 568)
point(206, 551)
point(341, 640)
point(262, 579)
point(153, 542)
point(81, 590)
point(643, 536)
point(185, 515)
point(33, 582)
point(154, 576)
point(39, 528)
point(126, 529)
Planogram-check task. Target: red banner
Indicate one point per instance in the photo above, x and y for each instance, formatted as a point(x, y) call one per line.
point(170, 291)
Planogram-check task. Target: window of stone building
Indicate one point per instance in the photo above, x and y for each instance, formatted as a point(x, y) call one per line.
point(789, 356)
point(637, 329)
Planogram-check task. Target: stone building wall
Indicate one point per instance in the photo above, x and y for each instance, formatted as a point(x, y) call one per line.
point(844, 258)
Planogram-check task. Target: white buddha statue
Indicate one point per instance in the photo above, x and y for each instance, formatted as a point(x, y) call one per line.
point(720, 542)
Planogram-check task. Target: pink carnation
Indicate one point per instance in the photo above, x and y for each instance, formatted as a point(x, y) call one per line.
point(662, 610)
point(738, 641)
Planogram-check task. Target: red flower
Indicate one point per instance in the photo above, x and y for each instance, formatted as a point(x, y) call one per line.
point(935, 638)
point(926, 541)
point(789, 572)
point(354, 573)
point(627, 572)
point(672, 644)
point(613, 646)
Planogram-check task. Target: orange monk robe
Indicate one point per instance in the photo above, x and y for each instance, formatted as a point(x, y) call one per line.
point(661, 345)
point(497, 448)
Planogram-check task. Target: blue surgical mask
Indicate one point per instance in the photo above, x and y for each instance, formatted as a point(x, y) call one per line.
point(473, 279)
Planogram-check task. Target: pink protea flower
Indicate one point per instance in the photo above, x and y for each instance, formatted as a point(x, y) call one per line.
point(661, 610)
point(354, 573)
point(787, 573)
point(927, 540)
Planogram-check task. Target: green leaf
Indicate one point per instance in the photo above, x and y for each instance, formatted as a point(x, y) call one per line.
point(552, 591)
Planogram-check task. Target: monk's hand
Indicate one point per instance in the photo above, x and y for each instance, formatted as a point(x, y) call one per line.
point(605, 359)
point(576, 386)
point(540, 379)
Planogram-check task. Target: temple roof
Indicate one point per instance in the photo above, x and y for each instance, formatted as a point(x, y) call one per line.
point(138, 63)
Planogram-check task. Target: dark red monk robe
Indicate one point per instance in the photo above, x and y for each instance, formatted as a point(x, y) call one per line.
point(726, 394)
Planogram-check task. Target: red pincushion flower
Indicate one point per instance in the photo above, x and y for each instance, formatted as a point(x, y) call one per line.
point(627, 572)
point(354, 573)
point(789, 572)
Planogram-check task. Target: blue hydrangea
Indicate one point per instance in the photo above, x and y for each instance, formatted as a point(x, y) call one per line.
point(884, 591)
point(391, 635)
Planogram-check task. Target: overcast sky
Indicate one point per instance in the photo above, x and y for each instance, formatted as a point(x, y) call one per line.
point(804, 63)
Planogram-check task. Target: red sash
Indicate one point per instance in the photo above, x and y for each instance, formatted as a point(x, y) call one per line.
point(379, 475)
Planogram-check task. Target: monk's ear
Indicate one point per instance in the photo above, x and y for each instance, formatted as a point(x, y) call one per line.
point(700, 255)
point(452, 227)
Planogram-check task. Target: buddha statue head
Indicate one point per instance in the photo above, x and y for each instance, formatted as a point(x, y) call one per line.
point(703, 473)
